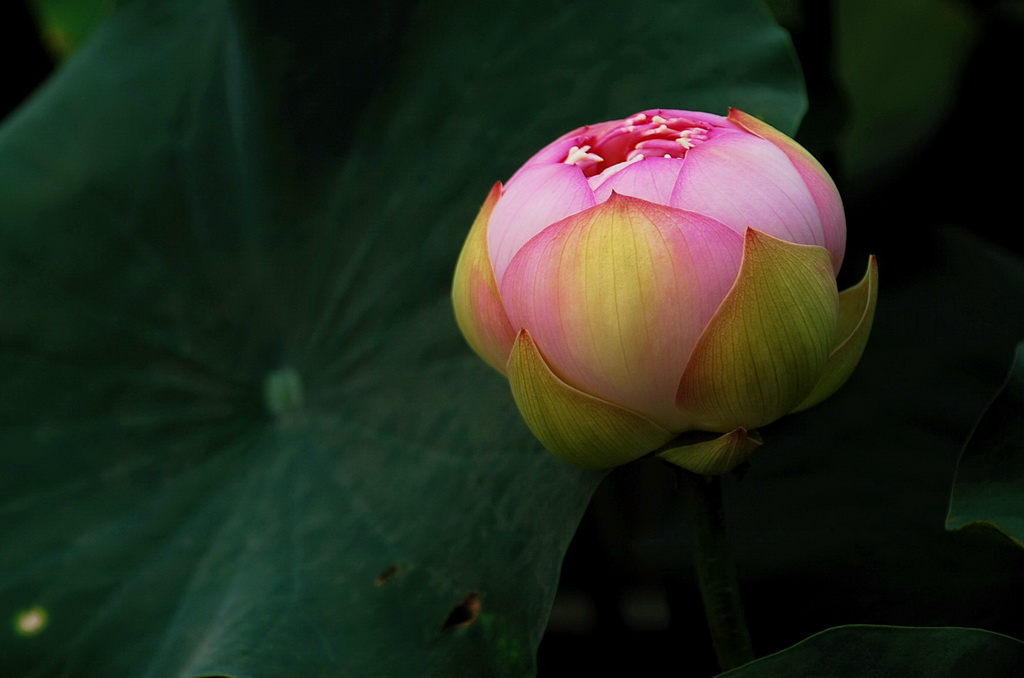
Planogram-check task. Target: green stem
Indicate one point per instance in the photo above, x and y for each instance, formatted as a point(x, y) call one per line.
point(716, 571)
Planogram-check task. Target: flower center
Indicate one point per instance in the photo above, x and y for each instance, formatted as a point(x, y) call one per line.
point(641, 136)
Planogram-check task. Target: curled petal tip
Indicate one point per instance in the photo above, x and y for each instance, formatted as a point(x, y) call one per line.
point(856, 316)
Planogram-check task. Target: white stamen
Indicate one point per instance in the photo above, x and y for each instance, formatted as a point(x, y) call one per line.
point(579, 154)
point(685, 140)
point(658, 119)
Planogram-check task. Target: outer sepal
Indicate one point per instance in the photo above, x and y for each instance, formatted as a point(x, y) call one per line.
point(768, 342)
point(856, 314)
point(478, 308)
point(716, 456)
point(573, 425)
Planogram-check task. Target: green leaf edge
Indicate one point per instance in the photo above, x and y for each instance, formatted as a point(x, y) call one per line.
point(985, 527)
point(741, 671)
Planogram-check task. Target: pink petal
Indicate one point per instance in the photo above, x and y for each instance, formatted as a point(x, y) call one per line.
point(650, 179)
point(557, 150)
point(823, 190)
point(747, 182)
point(616, 297)
point(553, 153)
point(541, 195)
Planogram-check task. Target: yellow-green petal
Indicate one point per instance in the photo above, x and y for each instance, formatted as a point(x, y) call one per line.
point(856, 314)
point(767, 345)
point(616, 297)
point(478, 308)
point(573, 425)
point(716, 456)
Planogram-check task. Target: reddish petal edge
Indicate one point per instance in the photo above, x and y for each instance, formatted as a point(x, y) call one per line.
point(479, 311)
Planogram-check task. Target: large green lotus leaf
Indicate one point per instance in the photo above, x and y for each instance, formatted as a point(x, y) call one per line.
point(239, 432)
point(859, 651)
point(989, 491)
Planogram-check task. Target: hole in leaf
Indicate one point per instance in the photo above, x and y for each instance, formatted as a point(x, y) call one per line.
point(464, 613)
point(386, 574)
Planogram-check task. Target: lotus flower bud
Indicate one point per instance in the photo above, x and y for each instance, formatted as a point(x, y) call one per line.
point(671, 272)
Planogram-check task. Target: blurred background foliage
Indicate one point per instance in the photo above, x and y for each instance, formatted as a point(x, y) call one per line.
point(840, 519)
point(64, 25)
point(884, 76)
